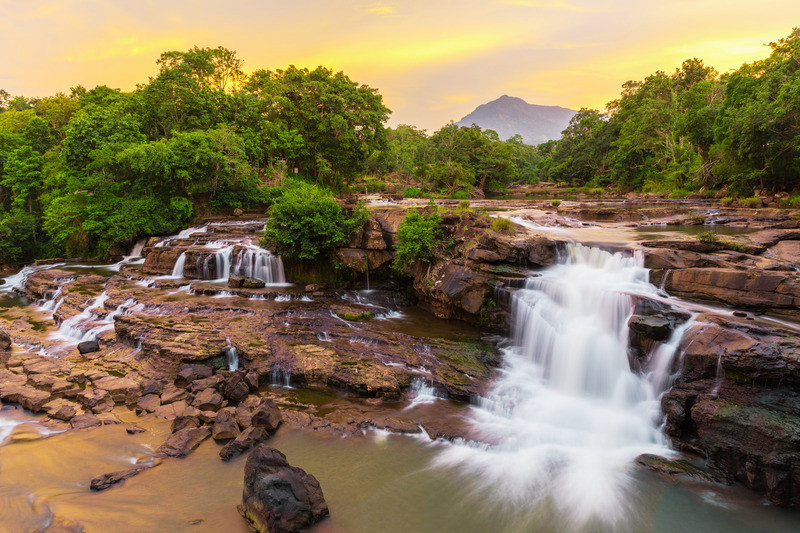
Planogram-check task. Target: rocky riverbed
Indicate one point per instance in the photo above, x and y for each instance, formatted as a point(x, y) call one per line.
point(227, 340)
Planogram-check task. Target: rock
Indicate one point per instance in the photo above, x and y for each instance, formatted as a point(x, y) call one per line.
point(277, 497)
point(235, 282)
point(225, 426)
point(246, 440)
point(267, 415)
point(250, 283)
point(28, 397)
point(244, 416)
point(85, 421)
point(5, 341)
point(191, 372)
point(212, 382)
point(652, 327)
point(97, 400)
point(134, 430)
point(208, 400)
point(238, 212)
point(235, 389)
point(61, 409)
point(171, 393)
point(88, 347)
point(152, 386)
point(183, 442)
point(148, 403)
point(105, 481)
point(251, 378)
point(118, 388)
point(182, 422)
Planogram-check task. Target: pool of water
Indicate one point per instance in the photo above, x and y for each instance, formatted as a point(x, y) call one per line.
point(694, 230)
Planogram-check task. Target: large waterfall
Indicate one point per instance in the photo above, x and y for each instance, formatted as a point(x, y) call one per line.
point(567, 414)
point(260, 264)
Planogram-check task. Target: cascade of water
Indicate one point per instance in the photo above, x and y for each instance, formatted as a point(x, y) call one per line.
point(422, 392)
point(569, 414)
point(232, 358)
point(257, 263)
point(177, 270)
point(74, 328)
point(136, 251)
point(182, 235)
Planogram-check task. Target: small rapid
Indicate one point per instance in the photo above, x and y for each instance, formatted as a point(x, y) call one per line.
point(568, 415)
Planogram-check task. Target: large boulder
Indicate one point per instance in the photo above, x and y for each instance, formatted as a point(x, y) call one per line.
point(277, 497)
point(5, 341)
point(183, 442)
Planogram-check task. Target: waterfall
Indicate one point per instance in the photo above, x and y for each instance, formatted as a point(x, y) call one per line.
point(257, 263)
point(136, 251)
point(567, 412)
point(422, 392)
point(177, 270)
point(232, 358)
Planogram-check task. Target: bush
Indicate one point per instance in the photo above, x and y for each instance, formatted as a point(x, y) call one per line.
point(306, 221)
point(596, 192)
point(794, 201)
point(416, 238)
point(728, 200)
point(460, 195)
point(555, 203)
point(678, 193)
point(463, 205)
point(412, 192)
point(752, 202)
point(708, 237)
point(502, 225)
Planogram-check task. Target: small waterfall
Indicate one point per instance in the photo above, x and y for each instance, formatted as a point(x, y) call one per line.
point(260, 264)
point(422, 392)
point(177, 270)
point(567, 412)
point(366, 271)
point(232, 358)
point(279, 378)
point(719, 377)
point(182, 235)
point(136, 251)
point(87, 326)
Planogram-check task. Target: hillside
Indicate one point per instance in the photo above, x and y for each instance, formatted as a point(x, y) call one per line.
point(510, 116)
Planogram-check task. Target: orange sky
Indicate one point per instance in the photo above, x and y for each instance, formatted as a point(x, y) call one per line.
point(433, 60)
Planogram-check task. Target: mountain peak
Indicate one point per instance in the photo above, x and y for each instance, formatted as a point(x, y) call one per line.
point(510, 115)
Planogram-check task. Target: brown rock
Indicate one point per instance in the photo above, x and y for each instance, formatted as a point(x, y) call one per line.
point(182, 422)
point(267, 415)
point(148, 403)
point(104, 481)
point(235, 389)
point(85, 421)
point(97, 400)
point(208, 400)
point(244, 441)
point(225, 426)
point(183, 442)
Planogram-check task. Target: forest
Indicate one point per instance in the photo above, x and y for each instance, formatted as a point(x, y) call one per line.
point(86, 173)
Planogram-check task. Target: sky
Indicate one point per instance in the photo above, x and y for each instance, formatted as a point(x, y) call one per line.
point(433, 61)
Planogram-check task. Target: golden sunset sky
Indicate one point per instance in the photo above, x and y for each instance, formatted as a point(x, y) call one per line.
point(433, 60)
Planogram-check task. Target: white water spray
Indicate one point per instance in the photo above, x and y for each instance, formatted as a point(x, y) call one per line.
point(568, 414)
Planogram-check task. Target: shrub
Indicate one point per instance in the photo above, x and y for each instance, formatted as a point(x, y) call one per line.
point(794, 201)
point(412, 192)
point(416, 238)
point(596, 192)
point(307, 221)
point(463, 205)
point(752, 202)
point(707, 236)
point(460, 195)
point(679, 193)
point(728, 200)
point(357, 317)
point(555, 203)
point(501, 224)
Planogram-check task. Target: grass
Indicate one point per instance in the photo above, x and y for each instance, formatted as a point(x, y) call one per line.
point(555, 203)
point(501, 225)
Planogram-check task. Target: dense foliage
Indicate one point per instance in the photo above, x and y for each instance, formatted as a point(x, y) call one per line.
point(417, 236)
point(691, 130)
point(89, 172)
point(307, 221)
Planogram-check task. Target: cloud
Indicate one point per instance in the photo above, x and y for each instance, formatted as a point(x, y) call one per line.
point(125, 47)
point(381, 10)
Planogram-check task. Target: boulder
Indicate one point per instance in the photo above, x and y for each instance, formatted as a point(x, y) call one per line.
point(208, 400)
point(183, 442)
point(225, 426)
point(171, 393)
point(191, 372)
point(277, 497)
point(267, 415)
point(186, 421)
point(235, 389)
point(97, 400)
point(148, 403)
point(85, 421)
point(88, 347)
point(246, 440)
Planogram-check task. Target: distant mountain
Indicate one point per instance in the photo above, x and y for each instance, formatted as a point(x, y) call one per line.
point(509, 116)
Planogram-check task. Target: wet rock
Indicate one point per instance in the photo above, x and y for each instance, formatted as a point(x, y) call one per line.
point(652, 327)
point(88, 347)
point(118, 388)
point(235, 389)
point(85, 421)
point(267, 415)
point(243, 442)
point(97, 400)
point(225, 426)
point(105, 481)
point(250, 283)
point(183, 442)
point(277, 497)
point(28, 397)
point(753, 289)
point(134, 430)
